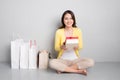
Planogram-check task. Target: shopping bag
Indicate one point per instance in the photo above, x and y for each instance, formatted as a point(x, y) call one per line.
point(24, 52)
point(33, 55)
point(43, 59)
point(15, 53)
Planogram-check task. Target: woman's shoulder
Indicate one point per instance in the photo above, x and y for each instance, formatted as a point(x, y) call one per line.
point(77, 29)
point(60, 30)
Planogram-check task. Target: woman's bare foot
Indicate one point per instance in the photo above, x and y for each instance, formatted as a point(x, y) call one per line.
point(83, 72)
point(58, 72)
point(80, 71)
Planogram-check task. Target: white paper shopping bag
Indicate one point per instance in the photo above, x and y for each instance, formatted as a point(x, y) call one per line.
point(33, 55)
point(43, 59)
point(15, 53)
point(24, 55)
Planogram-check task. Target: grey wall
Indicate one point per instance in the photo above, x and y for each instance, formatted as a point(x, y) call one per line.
point(39, 19)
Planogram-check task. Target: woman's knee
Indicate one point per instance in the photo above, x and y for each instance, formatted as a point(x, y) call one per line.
point(91, 62)
point(52, 62)
point(88, 61)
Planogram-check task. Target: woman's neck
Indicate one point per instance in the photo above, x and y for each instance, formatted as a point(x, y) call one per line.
point(68, 28)
point(68, 31)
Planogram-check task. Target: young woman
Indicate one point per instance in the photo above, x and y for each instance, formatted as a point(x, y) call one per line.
point(69, 60)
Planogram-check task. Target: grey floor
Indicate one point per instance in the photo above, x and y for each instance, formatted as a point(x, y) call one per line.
point(101, 71)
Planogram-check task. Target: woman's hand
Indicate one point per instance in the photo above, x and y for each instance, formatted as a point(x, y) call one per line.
point(76, 48)
point(63, 47)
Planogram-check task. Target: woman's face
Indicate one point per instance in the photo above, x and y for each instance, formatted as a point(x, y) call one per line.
point(68, 21)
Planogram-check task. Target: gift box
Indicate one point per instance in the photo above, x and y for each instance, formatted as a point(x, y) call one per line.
point(71, 42)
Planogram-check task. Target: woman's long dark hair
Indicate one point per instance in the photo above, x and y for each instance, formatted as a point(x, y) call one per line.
point(73, 17)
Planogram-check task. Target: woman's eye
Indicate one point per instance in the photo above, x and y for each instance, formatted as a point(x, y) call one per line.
point(68, 18)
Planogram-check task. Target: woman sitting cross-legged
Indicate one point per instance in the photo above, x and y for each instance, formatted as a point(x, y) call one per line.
point(69, 60)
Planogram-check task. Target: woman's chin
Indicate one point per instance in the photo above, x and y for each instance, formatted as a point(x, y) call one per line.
point(69, 26)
